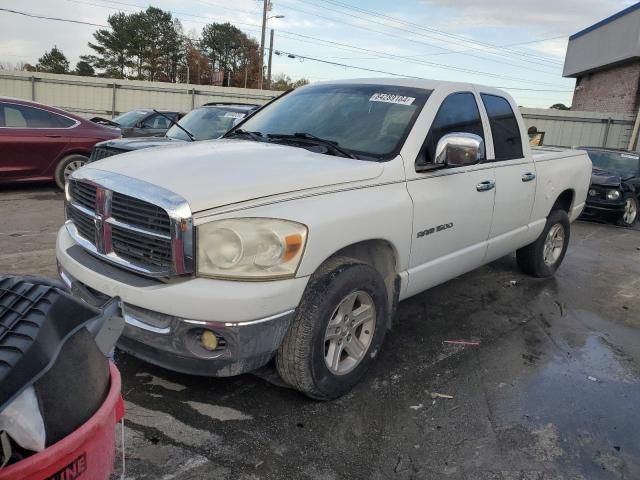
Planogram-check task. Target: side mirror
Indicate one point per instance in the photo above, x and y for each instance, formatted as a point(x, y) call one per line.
point(459, 149)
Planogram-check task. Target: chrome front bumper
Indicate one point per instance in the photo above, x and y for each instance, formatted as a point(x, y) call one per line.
point(174, 343)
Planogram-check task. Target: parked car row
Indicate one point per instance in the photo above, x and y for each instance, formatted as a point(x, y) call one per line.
point(39, 143)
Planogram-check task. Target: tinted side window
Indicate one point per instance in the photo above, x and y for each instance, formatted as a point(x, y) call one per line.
point(21, 116)
point(458, 113)
point(507, 143)
point(12, 117)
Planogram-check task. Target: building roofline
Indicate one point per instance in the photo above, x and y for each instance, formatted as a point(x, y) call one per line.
point(607, 20)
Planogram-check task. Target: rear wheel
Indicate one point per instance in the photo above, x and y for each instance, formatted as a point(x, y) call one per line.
point(337, 331)
point(66, 167)
point(543, 257)
point(630, 215)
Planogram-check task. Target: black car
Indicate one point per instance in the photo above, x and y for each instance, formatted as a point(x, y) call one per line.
point(145, 122)
point(615, 185)
point(204, 123)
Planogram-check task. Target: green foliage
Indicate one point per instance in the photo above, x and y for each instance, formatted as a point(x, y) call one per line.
point(283, 82)
point(146, 45)
point(84, 69)
point(53, 61)
point(232, 51)
point(560, 106)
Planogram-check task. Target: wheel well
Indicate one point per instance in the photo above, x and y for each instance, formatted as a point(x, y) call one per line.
point(382, 256)
point(564, 201)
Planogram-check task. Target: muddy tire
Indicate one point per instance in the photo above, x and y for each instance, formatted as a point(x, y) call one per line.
point(66, 167)
point(543, 257)
point(337, 330)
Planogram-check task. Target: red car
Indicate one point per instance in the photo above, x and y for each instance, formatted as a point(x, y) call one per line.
point(40, 143)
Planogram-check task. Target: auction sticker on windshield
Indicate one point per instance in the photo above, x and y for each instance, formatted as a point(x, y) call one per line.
point(391, 98)
point(234, 115)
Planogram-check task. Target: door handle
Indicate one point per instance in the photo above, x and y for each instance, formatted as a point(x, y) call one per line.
point(486, 186)
point(53, 136)
point(527, 177)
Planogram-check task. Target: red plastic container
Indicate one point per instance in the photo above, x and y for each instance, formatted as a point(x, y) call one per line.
point(88, 453)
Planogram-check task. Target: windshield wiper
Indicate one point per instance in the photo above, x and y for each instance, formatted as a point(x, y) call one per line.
point(257, 136)
point(189, 134)
point(307, 137)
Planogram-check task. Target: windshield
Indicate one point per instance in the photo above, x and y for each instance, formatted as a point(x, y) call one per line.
point(370, 121)
point(129, 119)
point(624, 164)
point(206, 123)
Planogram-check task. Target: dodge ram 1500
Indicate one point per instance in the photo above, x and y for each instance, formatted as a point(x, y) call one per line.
point(297, 234)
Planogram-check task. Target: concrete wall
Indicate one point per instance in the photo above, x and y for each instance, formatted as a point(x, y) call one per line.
point(589, 129)
point(90, 97)
point(613, 40)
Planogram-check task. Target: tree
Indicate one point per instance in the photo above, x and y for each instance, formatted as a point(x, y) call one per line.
point(230, 50)
point(53, 61)
point(560, 106)
point(145, 45)
point(84, 69)
point(112, 47)
point(283, 82)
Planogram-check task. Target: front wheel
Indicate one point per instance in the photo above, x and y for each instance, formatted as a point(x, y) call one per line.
point(66, 167)
point(543, 257)
point(337, 331)
point(630, 215)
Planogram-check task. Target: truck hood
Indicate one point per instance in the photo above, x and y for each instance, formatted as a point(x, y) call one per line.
point(136, 143)
point(214, 173)
point(605, 178)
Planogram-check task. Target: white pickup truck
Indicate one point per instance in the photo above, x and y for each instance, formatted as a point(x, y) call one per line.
point(296, 235)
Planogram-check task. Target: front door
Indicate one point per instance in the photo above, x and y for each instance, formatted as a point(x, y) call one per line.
point(453, 207)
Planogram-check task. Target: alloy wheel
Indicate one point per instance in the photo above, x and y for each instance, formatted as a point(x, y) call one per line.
point(349, 332)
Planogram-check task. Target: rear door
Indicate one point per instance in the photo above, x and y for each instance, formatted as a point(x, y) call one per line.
point(515, 178)
point(453, 207)
point(31, 140)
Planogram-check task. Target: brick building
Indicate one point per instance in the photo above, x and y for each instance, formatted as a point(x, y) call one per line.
point(605, 61)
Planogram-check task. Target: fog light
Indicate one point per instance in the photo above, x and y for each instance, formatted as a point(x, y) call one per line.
point(209, 340)
point(613, 195)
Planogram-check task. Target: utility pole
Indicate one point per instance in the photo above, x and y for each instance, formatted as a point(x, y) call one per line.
point(188, 76)
point(264, 26)
point(270, 56)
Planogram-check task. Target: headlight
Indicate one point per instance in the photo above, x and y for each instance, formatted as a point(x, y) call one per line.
point(613, 194)
point(250, 248)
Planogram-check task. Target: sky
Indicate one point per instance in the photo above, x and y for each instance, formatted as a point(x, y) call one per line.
point(518, 45)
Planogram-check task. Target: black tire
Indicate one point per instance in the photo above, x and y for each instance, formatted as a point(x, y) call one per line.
point(629, 222)
point(531, 259)
point(300, 360)
point(59, 174)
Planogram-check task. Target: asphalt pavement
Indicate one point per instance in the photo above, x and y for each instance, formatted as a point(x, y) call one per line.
point(544, 377)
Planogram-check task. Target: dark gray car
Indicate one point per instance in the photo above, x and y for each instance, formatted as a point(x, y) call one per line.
point(145, 122)
point(204, 123)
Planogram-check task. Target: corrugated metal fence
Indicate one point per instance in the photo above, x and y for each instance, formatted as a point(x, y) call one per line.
point(89, 96)
point(567, 128)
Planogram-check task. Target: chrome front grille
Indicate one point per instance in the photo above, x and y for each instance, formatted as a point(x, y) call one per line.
point(141, 248)
point(84, 194)
point(139, 213)
point(84, 224)
point(151, 235)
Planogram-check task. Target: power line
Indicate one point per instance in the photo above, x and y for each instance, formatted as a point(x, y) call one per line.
point(447, 51)
point(356, 67)
point(461, 38)
point(33, 15)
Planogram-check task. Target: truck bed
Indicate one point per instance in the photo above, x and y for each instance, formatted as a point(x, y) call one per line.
point(543, 154)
